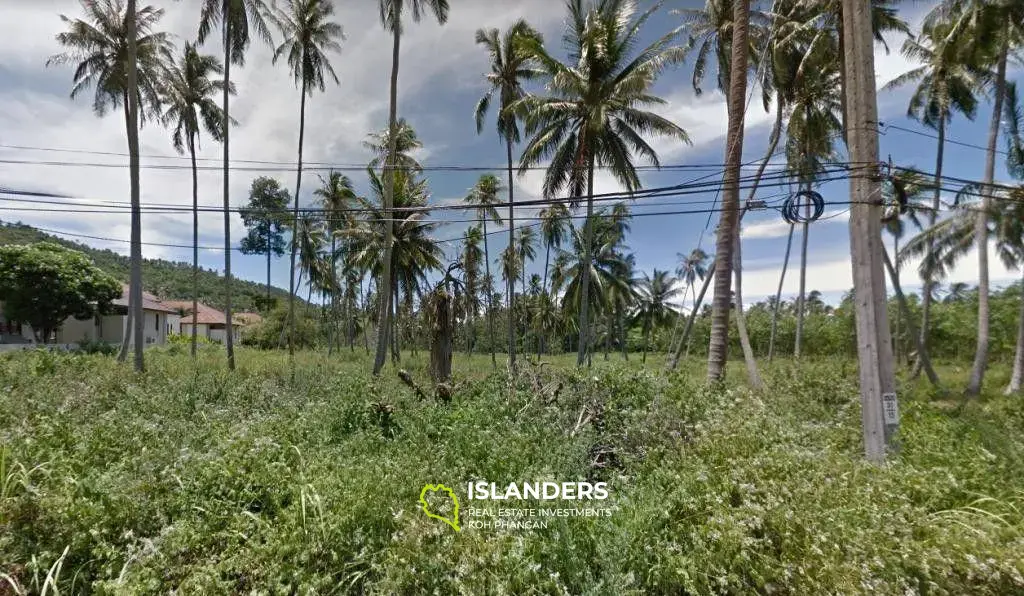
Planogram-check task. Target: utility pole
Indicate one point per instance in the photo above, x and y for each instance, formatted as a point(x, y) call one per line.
point(879, 410)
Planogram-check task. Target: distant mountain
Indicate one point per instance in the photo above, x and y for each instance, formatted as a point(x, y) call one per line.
point(167, 279)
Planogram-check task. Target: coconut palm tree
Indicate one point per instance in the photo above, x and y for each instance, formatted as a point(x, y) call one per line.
point(117, 51)
point(337, 198)
point(484, 196)
point(414, 253)
point(189, 95)
point(553, 223)
point(308, 36)
point(391, 13)
point(710, 31)
point(406, 143)
point(511, 66)
point(654, 305)
point(470, 258)
point(946, 83)
point(526, 249)
point(592, 115)
point(691, 268)
point(238, 20)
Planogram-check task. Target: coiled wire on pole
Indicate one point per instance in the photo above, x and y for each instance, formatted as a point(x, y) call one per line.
point(795, 208)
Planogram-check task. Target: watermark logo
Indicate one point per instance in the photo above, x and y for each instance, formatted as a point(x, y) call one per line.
point(433, 489)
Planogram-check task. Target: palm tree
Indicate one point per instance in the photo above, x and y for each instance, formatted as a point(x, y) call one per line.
point(1014, 124)
point(914, 186)
point(654, 307)
point(691, 268)
point(337, 198)
point(511, 66)
point(391, 17)
point(117, 50)
point(710, 30)
point(415, 253)
point(235, 18)
point(946, 83)
point(470, 258)
point(483, 196)
point(958, 292)
point(526, 248)
point(553, 221)
point(189, 96)
point(593, 115)
point(308, 35)
point(406, 142)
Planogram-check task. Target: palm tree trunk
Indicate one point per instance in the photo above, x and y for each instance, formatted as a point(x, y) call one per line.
point(800, 302)
point(719, 344)
point(778, 295)
point(981, 227)
point(679, 321)
point(295, 244)
point(1018, 357)
point(926, 363)
point(588, 235)
point(395, 348)
point(685, 339)
point(647, 337)
point(926, 291)
point(622, 333)
point(741, 325)
point(608, 334)
point(229, 340)
point(511, 278)
point(135, 289)
point(333, 317)
point(195, 241)
point(384, 308)
point(490, 296)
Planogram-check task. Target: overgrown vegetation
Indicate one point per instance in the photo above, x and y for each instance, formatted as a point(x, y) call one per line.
point(201, 481)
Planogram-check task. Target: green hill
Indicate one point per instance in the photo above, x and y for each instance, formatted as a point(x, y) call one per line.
point(167, 279)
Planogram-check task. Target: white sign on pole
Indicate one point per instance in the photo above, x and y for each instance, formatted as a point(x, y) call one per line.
point(890, 409)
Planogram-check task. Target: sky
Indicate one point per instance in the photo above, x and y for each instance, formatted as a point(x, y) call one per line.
point(440, 81)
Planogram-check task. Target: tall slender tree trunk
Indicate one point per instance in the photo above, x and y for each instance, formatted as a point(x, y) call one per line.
point(608, 333)
point(926, 363)
point(800, 300)
point(511, 247)
point(229, 339)
point(622, 333)
point(647, 338)
point(384, 308)
point(588, 235)
point(685, 339)
point(333, 317)
point(195, 242)
point(981, 226)
point(719, 344)
point(132, 104)
point(1018, 357)
point(295, 245)
point(490, 297)
point(753, 376)
point(926, 290)
point(679, 321)
point(778, 295)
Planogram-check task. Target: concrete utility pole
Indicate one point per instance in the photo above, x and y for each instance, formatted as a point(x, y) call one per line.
point(879, 408)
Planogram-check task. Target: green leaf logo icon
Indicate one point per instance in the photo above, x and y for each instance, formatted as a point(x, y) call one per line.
point(433, 488)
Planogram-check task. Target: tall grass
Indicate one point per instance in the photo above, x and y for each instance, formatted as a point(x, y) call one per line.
point(193, 480)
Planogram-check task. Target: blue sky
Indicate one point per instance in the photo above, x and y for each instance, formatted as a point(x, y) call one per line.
point(439, 83)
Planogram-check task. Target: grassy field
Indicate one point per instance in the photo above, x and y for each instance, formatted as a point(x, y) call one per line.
point(191, 479)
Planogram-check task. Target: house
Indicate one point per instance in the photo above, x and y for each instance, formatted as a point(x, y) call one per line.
point(209, 322)
point(109, 328)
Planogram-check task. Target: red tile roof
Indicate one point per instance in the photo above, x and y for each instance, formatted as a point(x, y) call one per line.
point(206, 316)
point(149, 301)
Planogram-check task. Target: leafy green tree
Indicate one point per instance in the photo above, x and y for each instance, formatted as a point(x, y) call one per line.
point(237, 20)
point(484, 196)
point(308, 35)
point(44, 284)
point(470, 259)
point(592, 113)
point(188, 96)
point(266, 218)
point(511, 66)
point(391, 12)
point(554, 220)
